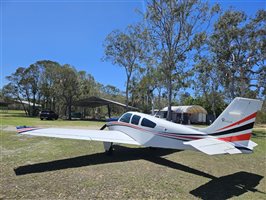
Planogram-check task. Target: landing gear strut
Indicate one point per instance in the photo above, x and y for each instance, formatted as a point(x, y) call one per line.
point(108, 147)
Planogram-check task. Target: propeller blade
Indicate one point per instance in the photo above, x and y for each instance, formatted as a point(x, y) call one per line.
point(104, 126)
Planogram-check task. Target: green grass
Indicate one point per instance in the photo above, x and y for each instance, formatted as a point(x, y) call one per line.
point(16, 118)
point(49, 168)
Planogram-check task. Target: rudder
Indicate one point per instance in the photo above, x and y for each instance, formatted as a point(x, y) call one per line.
point(236, 122)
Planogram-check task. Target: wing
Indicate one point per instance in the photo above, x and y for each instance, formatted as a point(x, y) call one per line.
point(212, 146)
point(79, 134)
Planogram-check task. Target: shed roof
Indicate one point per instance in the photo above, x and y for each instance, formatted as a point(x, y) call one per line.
point(28, 103)
point(94, 101)
point(187, 109)
point(3, 103)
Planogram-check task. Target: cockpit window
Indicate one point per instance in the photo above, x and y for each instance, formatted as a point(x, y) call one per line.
point(135, 119)
point(125, 118)
point(147, 123)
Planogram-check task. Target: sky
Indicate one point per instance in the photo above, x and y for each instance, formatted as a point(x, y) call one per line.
point(73, 32)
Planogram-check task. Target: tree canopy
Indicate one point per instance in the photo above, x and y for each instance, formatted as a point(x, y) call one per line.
point(178, 47)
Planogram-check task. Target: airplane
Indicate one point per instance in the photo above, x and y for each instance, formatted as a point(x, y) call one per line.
point(230, 133)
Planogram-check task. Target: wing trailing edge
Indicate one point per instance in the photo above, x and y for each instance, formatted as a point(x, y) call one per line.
point(213, 146)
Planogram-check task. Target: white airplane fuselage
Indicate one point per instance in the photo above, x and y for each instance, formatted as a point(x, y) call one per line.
point(164, 134)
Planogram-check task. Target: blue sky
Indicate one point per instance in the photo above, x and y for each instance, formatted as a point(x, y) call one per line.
point(72, 32)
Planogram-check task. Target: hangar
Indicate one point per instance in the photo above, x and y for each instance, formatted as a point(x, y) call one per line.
point(185, 114)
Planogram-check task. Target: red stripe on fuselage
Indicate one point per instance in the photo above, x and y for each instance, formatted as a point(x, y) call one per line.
point(187, 137)
point(240, 121)
point(246, 136)
point(164, 134)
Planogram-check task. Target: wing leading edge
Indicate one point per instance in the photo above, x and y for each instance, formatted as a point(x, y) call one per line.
point(80, 134)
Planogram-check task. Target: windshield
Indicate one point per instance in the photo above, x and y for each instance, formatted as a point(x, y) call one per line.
point(125, 118)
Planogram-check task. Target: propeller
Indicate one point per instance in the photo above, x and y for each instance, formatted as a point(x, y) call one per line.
point(103, 127)
point(108, 120)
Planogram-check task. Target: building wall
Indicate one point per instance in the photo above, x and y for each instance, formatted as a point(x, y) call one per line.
point(184, 118)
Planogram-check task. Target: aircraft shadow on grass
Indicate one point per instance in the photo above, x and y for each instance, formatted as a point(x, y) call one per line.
point(217, 188)
point(228, 186)
point(121, 154)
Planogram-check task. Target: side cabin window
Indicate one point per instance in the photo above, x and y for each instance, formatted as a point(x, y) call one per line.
point(125, 118)
point(135, 120)
point(147, 123)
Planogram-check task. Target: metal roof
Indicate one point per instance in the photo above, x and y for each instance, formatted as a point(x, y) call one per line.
point(28, 103)
point(187, 109)
point(94, 101)
point(3, 103)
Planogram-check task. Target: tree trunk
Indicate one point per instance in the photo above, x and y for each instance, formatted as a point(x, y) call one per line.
point(24, 108)
point(34, 105)
point(159, 99)
point(69, 109)
point(152, 103)
point(169, 88)
point(127, 86)
point(213, 108)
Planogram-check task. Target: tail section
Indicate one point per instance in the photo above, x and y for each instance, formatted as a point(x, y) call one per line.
point(236, 122)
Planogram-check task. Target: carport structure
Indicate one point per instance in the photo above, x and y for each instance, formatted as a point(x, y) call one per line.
point(3, 105)
point(94, 102)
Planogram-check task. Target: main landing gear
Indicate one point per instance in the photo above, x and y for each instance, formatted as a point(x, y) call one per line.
point(108, 147)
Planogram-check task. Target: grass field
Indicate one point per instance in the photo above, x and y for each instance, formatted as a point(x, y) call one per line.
point(49, 168)
point(15, 118)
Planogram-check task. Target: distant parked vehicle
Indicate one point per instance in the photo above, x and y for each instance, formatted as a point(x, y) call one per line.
point(76, 115)
point(48, 114)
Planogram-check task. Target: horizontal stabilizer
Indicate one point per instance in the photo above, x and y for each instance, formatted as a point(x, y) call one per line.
point(79, 134)
point(251, 144)
point(212, 146)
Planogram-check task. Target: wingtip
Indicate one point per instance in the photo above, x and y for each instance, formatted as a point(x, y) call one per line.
point(24, 128)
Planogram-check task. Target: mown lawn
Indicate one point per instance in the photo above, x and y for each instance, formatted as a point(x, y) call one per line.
point(49, 168)
point(16, 117)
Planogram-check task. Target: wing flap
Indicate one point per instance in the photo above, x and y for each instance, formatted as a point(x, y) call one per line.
point(212, 146)
point(80, 134)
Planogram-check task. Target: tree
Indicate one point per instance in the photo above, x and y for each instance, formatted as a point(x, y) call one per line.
point(172, 25)
point(145, 85)
point(67, 86)
point(258, 42)
point(238, 44)
point(24, 84)
point(123, 49)
point(87, 85)
point(206, 84)
point(31, 82)
point(14, 89)
point(111, 91)
point(49, 75)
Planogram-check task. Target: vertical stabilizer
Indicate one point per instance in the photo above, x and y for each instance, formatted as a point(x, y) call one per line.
point(236, 121)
